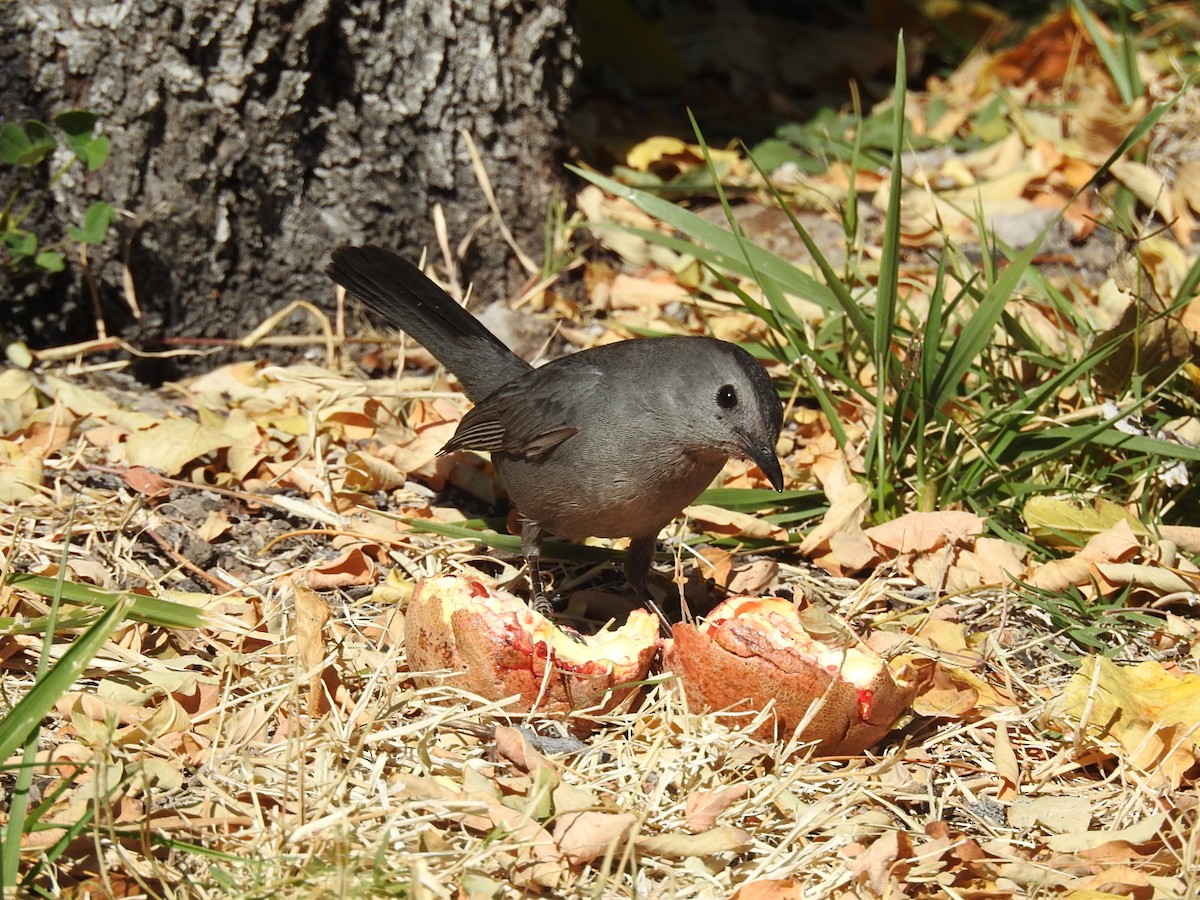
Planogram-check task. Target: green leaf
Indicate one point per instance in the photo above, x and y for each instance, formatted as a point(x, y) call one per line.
point(50, 260)
point(79, 126)
point(94, 153)
point(95, 224)
point(21, 244)
point(772, 153)
point(76, 124)
point(25, 145)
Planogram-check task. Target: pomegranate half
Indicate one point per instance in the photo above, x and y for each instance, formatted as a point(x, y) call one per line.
point(498, 647)
point(751, 651)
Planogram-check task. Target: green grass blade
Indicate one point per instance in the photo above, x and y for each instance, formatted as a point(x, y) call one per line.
point(23, 717)
point(150, 610)
point(722, 247)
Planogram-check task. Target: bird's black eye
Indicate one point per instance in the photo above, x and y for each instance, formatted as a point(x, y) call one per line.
point(727, 396)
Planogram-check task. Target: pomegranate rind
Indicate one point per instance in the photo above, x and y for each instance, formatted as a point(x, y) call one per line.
point(751, 651)
point(497, 647)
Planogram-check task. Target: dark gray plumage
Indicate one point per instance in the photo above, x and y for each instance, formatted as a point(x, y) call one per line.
point(609, 442)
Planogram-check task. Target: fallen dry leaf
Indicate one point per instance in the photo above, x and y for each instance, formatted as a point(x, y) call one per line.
point(723, 839)
point(1059, 814)
point(770, 889)
point(918, 532)
point(349, 568)
point(1144, 713)
point(169, 446)
point(514, 745)
point(311, 615)
point(704, 807)
point(725, 522)
point(882, 866)
point(588, 835)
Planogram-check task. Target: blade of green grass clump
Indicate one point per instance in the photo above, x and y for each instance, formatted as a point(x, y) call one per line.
point(806, 354)
point(844, 300)
point(888, 285)
point(15, 726)
point(710, 243)
point(778, 305)
point(21, 724)
point(978, 329)
point(803, 350)
point(1188, 287)
point(1120, 62)
point(951, 419)
point(149, 610)
point(15, 827)
point(880, 455)
point(917, 391)
point(754, 499)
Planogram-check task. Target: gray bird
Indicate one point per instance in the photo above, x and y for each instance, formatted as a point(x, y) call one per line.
point(613, 441)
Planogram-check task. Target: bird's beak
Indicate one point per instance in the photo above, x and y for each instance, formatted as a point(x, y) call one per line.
point(766, 459)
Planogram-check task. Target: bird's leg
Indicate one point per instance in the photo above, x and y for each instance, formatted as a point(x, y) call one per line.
point(531, 549)
point(637, 567)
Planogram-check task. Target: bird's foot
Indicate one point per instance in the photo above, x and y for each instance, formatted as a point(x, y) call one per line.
point(541, 604)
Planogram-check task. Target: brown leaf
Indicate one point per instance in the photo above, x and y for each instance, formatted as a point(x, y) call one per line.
point(515, 746)
point(952, 692)
point(917, 532)
point(1058, 814)
point(366, 473)
point(216, 525)
point(753, 577)
point(770, 889)
point(1185, 537)
point(1048, 52)
point(351, 567)
point(883, 865)
point(312, 613)
point(716, 520)
point(587, 835)
point(1008, 769)
point(725, 839)
point(703, 807)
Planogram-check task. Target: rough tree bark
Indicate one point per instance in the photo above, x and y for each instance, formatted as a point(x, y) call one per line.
point(250, 138)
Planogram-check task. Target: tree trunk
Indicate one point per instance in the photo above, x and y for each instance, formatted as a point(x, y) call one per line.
point(251, 138)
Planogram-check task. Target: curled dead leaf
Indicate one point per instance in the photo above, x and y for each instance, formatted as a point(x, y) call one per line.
point(726, 839)
point(703, 807)
point(587, 835)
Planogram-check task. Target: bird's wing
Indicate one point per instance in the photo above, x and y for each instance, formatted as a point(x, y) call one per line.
point(531, 415)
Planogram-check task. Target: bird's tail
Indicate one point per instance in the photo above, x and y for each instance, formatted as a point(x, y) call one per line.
point(398, 293)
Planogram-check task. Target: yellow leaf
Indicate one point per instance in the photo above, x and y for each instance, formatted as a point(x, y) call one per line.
point(1151, 714)
point(652, 150)
point(21, 480)
point(1062, 523)
point(170, 445)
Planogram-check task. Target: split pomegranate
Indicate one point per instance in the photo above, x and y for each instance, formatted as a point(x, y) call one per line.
point(750, 651)
point(498, 647)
